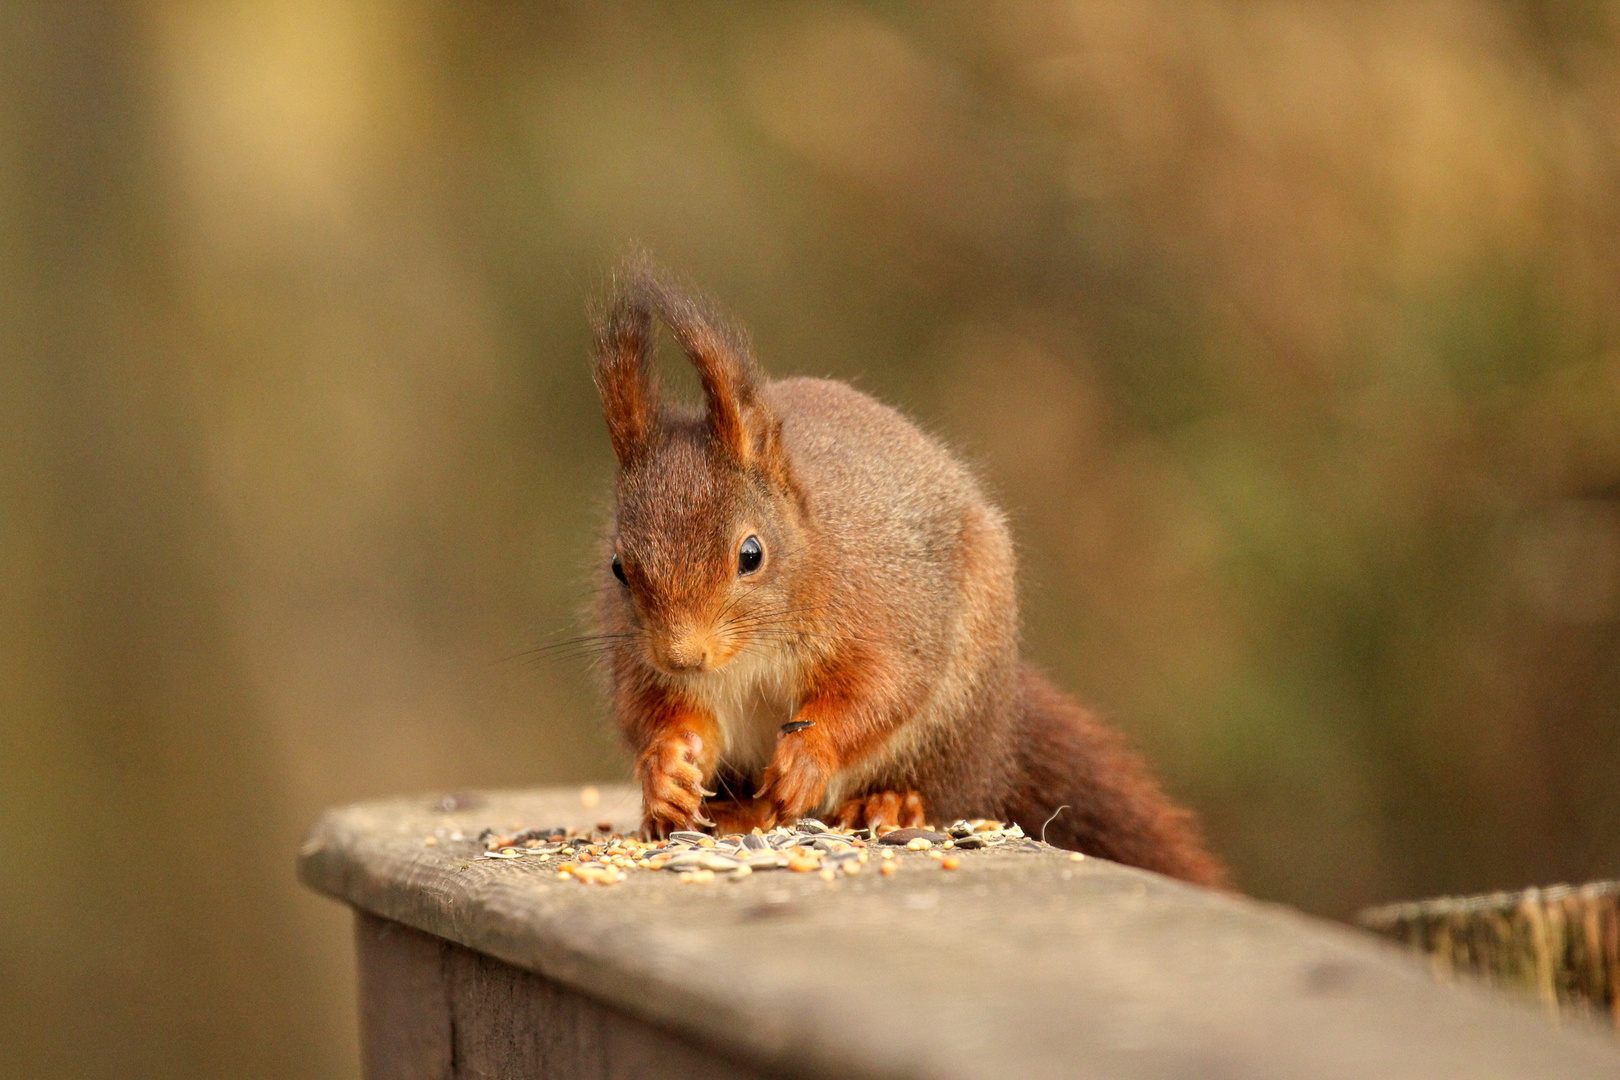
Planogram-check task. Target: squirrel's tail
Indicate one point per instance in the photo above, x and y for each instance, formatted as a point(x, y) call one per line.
point(1115, 808)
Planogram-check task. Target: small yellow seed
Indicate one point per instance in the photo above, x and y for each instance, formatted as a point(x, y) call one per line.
point(887, 855)
point(1075, 856)
point(950, 862)
point(828, 874)
point(918, 844)
point(430, 840)
point(936, 855)
point(887, 868)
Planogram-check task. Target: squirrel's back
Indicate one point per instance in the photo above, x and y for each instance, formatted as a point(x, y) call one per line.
point(890, 503)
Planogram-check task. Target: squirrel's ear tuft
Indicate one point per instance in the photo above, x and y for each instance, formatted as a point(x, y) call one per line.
point(740, 424)
point(623, 367)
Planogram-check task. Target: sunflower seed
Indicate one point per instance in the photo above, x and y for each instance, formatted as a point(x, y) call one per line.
point(904, 837)
point(687, 860)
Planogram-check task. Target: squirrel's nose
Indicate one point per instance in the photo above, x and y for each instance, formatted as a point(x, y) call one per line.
point(684, 654)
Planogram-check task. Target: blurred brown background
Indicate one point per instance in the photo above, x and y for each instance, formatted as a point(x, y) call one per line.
point(1286, 331)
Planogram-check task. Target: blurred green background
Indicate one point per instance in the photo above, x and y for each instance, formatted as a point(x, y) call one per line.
point(1287, 333)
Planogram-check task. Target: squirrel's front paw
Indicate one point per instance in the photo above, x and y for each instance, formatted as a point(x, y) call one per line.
point(796, 779)
point(671, 784)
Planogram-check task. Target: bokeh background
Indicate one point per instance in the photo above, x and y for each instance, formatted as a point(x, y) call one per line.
point(1289, 334)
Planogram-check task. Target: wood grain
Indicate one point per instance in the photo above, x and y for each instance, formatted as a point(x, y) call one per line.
point(1020, 964)
point(434, 1010)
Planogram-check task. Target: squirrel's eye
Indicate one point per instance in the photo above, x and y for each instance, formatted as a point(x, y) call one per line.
point(618, 570)
point(750, 555)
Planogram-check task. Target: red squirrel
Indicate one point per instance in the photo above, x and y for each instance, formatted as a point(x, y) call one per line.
point(809, 607)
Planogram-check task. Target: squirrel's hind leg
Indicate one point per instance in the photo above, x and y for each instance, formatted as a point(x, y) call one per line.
point(900, 810)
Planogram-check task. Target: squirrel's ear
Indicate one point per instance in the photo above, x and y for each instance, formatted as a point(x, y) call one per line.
point(623, 370)
point(741, 424)
point(770, 457)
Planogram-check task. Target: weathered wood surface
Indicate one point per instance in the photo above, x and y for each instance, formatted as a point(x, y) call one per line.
point(1020, 964)
point(434, 1010)
point(1560, 944)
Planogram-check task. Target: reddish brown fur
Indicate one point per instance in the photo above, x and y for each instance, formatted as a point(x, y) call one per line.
point(884, 614)
point(1115, 807)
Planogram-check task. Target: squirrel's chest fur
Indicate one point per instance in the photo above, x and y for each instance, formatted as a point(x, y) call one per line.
point(750, 699)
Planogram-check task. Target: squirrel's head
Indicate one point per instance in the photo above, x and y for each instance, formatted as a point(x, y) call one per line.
point(705, 548)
